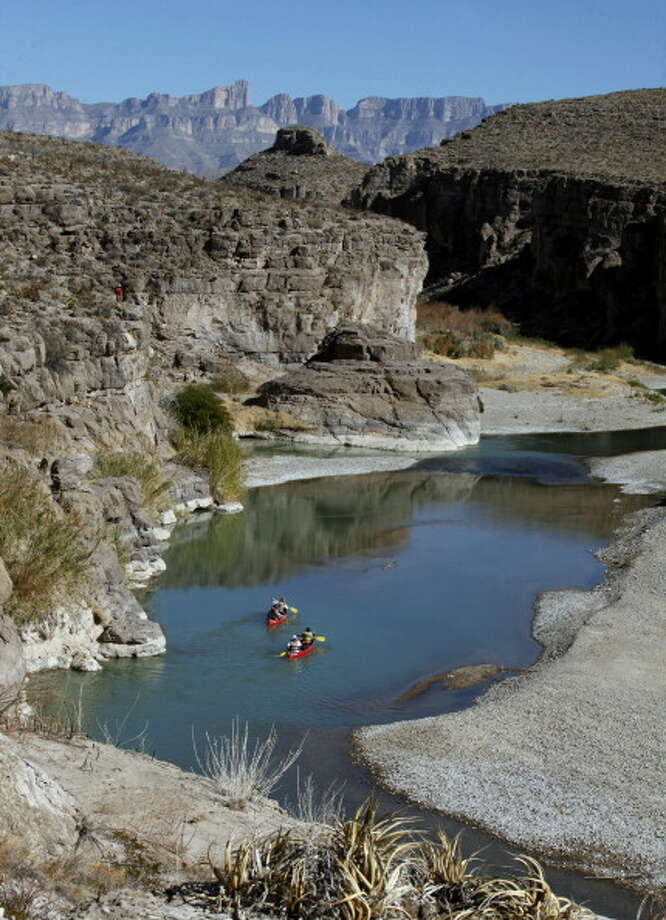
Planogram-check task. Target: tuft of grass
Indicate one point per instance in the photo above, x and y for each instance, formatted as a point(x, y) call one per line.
point(229, 379)
point(315, 807)
point(241, 770)
point(37, 436)
point(603, 361)
point(144, 468)
point(217, 452)
point(42, 547)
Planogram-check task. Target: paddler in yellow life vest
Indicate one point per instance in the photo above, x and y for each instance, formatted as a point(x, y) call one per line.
point(307, 637)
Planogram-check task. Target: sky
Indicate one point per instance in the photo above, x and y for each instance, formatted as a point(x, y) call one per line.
point(502, 50)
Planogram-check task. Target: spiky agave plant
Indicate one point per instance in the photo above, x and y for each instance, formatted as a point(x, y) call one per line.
point(373, 858)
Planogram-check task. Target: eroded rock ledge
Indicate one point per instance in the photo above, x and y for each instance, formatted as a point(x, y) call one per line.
point(366, 388)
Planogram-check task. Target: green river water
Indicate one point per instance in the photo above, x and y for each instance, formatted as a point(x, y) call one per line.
point(406, 574)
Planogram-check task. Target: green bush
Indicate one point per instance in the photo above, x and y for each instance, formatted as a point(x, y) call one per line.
point(217, 452)
point(145, 469)
point(41, 547)
point(197, 408)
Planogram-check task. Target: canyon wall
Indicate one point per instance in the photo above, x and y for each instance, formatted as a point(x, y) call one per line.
point(553, 212)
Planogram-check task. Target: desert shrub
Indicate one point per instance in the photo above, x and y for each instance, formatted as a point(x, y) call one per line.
point(229, 379)
point(144, 468)
point(439, 316)
point(453, 333)
point(37, 436)
point(197, 408)
point(217, 452)
point(42, 548)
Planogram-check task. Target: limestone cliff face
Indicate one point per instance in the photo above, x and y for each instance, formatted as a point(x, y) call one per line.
point(554, 212)
point(212, 132)
point(205, 273)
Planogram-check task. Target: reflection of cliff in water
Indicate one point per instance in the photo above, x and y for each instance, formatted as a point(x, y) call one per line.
point(596, 509)
point(287, 527)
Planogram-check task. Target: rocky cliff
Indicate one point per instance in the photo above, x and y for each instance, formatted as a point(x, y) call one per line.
point(555, 212)
point(214, 131)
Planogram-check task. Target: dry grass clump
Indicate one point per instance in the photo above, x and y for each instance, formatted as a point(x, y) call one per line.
point(367, 867)
point(217, 452)
point(37, 436)
point(240, 770)
point(450, 332)
point(42, 547)
point(144, 468)
point(229, 379)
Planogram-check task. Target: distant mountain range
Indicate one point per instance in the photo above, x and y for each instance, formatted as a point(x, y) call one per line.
point(213, 132)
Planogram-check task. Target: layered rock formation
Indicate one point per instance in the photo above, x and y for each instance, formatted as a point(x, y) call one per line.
point(555, 212)
point(300, 164)
point(214, 131)
point(367, 388)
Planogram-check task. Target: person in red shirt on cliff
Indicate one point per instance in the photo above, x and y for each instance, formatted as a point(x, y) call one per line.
point(119, 291)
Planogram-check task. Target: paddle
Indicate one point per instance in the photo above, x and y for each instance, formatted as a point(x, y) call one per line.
point(294, 609)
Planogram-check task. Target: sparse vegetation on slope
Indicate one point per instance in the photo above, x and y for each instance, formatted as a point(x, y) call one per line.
point(42, 547)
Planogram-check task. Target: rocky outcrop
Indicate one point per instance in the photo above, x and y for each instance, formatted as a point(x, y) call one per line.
point(367, 388)
point(555, 212)
point(212, 132)
point(301, 165)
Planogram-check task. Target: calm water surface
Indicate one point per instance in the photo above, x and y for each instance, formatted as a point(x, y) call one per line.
point(406, 574)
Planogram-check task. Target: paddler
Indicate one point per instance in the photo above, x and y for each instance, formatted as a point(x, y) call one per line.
point(307, 637)
point(294, 645)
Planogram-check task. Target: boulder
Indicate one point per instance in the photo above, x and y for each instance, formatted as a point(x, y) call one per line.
point(360, 391)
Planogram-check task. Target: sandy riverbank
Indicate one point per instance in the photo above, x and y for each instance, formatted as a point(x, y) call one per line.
point(568, 759)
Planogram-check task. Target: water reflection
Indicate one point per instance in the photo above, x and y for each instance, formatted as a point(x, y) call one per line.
point(290, 528)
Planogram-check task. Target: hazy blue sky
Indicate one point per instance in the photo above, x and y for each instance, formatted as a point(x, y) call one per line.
point(503, 50)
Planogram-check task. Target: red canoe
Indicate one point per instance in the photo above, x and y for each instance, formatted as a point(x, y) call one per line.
point(303, 651)
point(282, 619)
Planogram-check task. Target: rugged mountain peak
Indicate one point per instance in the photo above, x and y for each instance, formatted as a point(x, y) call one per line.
point(212, 132)
point(297, 140)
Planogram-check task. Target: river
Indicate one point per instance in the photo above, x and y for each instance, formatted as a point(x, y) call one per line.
point(405, 574)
